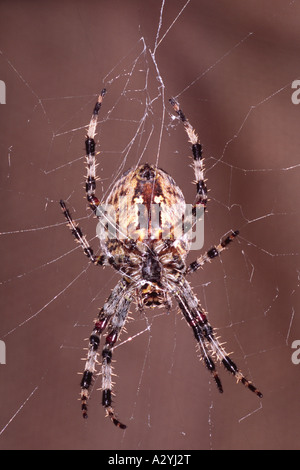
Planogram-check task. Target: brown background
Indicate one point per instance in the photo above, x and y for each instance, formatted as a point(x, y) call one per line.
point(231, 65)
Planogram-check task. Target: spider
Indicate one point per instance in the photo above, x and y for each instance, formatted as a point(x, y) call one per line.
point(153, 268)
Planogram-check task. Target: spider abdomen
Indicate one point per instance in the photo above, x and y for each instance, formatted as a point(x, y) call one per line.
point(144, 206)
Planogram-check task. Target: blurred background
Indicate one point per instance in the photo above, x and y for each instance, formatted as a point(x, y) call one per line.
point(231, 65)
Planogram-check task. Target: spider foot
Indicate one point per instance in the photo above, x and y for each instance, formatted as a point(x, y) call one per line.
point(177, 109)
point(99, 102)
point(232, 367)
point(230, 238)
point(112, 416)
point(84, 407)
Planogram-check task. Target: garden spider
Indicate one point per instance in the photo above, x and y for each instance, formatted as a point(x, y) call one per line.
point(152, 268)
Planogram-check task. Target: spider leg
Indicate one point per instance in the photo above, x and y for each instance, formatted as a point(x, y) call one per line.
point(212, 253)
point(90, 146)
point(90, 187)
point(77, 232)
point(204, 334)
point(116, 327)
point(196, 324)
point(87, 249)
point(227, 362)
point(112, 316)
point(201, 198)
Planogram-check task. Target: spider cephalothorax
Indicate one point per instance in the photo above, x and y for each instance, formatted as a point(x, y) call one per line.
point(143, 235)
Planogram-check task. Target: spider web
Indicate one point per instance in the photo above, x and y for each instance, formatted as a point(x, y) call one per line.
point(231, 67)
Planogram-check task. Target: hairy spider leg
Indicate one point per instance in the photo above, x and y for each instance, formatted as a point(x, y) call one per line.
point(193, 322)
point(77, 232)
point(212, 253)
point(90, 188)
point(116, 325)
point(112, 317)
point(90, 146)
point(201, 197)
point(100, 260)
point(203, 331)
point(227, 362)
point(90, 185)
